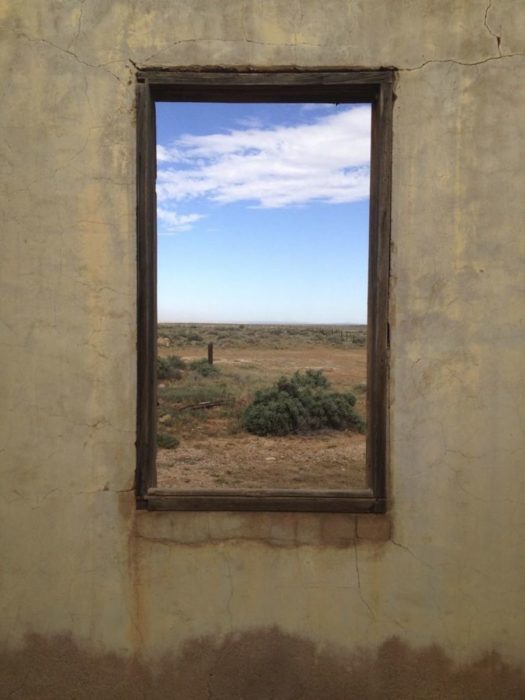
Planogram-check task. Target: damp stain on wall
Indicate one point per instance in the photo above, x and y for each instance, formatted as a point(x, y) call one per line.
point(261, 664)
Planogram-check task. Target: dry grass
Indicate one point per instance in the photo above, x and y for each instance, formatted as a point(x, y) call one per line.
point(214, 452)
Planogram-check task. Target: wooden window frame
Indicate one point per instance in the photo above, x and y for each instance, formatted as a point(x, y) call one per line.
point(281, 85)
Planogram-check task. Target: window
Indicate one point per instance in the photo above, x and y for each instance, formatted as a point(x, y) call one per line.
point(311, 90)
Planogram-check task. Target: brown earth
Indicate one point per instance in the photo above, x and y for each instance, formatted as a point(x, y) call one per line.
point(332, 460)
point(213, 454)
point(344, 367)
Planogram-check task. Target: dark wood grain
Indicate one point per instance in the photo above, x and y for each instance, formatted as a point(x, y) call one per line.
point(378, 290)
point(272, 86)
point(257, 501)
point(310, 493)
point(278, 85)
point(145, 475)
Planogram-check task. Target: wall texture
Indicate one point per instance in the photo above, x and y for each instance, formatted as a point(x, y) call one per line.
point(100, 601)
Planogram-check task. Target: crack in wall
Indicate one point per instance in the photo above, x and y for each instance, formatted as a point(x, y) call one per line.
point(100, 66)
point(245, 40)
point(144, 63)
point(459, 63)
point(79, 25)
point(260, 539)
point(359, 589)
point(230, 595)
point(414, 556)
point(490, 31)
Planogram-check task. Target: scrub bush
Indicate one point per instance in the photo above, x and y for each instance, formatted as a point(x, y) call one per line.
point(167, 441)
point(170, 367)
point(204, 368)
point(300, 404)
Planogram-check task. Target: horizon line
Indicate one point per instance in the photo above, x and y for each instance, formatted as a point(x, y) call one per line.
point(263, 323)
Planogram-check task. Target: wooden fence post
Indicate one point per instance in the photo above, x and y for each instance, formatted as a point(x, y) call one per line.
point(210, 353)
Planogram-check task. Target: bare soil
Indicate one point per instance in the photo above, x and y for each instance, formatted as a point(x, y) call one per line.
point(333, 460)
point(214, 453)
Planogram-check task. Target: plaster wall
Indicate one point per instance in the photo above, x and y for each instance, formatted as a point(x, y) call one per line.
point(99, 600)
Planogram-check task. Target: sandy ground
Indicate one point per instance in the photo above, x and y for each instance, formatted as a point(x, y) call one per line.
point(333, 460)
point(211, 456)
point(343, 367)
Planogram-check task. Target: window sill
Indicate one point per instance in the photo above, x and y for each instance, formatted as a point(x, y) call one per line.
point(283, 500)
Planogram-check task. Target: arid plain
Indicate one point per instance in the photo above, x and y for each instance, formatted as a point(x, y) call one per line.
point(201, 439)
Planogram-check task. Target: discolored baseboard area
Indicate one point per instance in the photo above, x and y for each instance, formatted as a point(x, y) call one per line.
point(262, 664)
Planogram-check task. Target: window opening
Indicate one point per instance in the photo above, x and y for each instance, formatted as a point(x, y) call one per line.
point(262, 259)
point(263, 277)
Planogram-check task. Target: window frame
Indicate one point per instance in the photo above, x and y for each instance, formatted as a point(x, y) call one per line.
point(280, 85)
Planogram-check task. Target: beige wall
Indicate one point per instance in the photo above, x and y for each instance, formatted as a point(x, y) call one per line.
point(115, 603)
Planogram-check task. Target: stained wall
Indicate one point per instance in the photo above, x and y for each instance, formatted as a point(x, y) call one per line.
point(99, 600)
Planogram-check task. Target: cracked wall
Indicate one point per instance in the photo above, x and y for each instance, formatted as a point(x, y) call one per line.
point(445, 570)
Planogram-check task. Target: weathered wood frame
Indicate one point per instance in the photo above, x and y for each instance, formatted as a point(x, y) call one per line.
point(280, 85)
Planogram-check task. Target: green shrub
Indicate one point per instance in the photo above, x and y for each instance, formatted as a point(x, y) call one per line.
point(299, 404)
point(167, 441)
point(193, 393)
point(312, 378)
point(170, 367)
point(204, 368)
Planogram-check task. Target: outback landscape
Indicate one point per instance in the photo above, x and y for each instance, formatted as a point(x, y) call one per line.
point(281, 407)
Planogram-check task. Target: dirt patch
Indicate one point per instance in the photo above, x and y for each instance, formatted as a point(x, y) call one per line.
point(332, 460)
point(215, 453)
point(345, 367)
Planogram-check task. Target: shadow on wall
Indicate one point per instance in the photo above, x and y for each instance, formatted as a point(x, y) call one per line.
point(258, 665)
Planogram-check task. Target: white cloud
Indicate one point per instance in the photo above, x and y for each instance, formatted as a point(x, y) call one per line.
point(312, 106)
point(170, 155)
point(327, 161)
point(163, 155)
point(250, 122)
point(173, 222)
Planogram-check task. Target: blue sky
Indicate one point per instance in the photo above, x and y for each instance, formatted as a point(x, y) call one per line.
point(262, 212)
